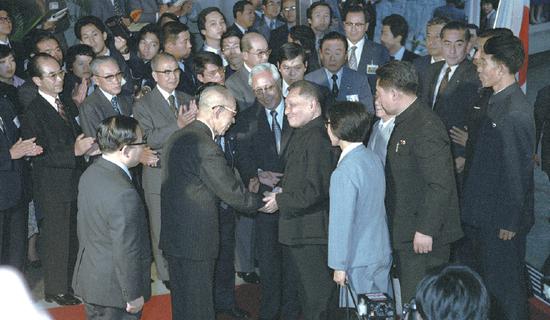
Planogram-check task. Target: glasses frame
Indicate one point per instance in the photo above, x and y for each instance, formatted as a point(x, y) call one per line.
point(234, 112)
point(119, 75)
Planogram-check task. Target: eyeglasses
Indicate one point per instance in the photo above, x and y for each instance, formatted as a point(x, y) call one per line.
point(288, 9)
point(142, 143)
point(260, 91)
point(5, 19)
point(274, 3)
point(55, 74)
point(175, 72)
point(234, 48)
point(356, 25)
point(262, 53)
point(234, 112)
point(111, 77)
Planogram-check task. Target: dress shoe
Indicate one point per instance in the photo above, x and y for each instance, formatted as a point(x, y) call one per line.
point(235, 312)
point(166, 284)
point(62, 299)
point(249, 277)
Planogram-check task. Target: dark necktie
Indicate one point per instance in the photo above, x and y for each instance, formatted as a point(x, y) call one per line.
point(172, 103)
point(276, 129)
point(335, 89)
point(118, 8)
point(61, 110)
point(116, 106)
point(2, 126)
point(442, 85)
point(272, 25)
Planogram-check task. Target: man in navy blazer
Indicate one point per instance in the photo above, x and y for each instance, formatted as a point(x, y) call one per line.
point(344, 83)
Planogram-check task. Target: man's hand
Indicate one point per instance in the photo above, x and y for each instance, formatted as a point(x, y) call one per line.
point(149, 157)
point(270, 203)
point(186, 115)
point(459, 164)
point(25, 148)
point(422, 243)
point(506, 235)
point(135, 306)
point(269, 178)
point(536, 159)
point(459, 136)
point(80, 91)
point(340, 277)
point(254, 185)
point(82, 144)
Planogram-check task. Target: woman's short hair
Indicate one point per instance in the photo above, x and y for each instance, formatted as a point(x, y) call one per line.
point(349, 121)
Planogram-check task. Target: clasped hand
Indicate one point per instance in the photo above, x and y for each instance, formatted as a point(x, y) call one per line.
point(270, 200)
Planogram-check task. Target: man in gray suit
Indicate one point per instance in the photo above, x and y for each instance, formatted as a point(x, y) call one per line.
point(107, 101)
point(255, 50)
point(358, 238)
point(160, 113)
point(113, 266)
point(345, 84)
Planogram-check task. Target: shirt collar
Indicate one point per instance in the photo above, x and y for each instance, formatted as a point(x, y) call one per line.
point(285, 88)
point(359, 44)
point(119, 164)
point(210, 49)
point(399, 54)
point(329, 75)
point(348, 149)
point(166, 94)
point(106, 94)
point(50, 99)
point(243, 30)
point(280, 111)
point(211, 131)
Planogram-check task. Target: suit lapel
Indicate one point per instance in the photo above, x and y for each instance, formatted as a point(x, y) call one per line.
point(263, 126)
point(365, 56)
point(162, 105)
point(287, 133)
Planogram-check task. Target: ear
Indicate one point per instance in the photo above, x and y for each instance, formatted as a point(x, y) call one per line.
point(37, 81)
point(154, 74)
point(104, 36)
point(203, 32)
point(199, 77)
point(309, 21)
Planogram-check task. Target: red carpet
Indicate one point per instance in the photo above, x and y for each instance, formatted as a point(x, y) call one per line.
point(158, 308)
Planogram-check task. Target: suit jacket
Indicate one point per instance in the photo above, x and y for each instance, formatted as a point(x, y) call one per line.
point(114, 257)
point(303, 204)
point(262, 28)
point(196, 177)
point(421, 191)
point(11, 171)
point(238, 85)
point(57, 170)
point(373, 54)
point(95, 108)
point(234, 28)
point(128, 87)
point(357, 212)
point(27, 92)
point(158, 123)
point(409, 56)
point(421, 64)
point(104, 9)
point(277, 38)
point(187, 83)
point(542, 124)
point(257, 148)
point(150, 9)
point(456, 101)
point(498, 190)
point(352, 83)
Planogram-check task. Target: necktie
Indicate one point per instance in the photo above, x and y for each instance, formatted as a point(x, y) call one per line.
point(116, 106)
point(276, 129)
point(61, 109)
point(2, 126)
point(352, 63)
point(335, 89)
point(117, 8)
point(172, 103)
point(272, 25)
point(219, 141)
point(442, 85)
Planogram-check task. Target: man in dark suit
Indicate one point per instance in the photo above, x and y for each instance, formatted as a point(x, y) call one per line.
point(13, 187)
point(270, 20)
point(542, 117)
point(243, 13)
point(160, 113)
point(264, 134)
point(303, 202)
point(113, 270)
point(231, 50)
point(421, 197)
point(6, 28)
point(107, 100)
point(279, 36)
point(364, 55)
point(394, 36)
point(498, 195)
point(451, 86)
point(433, 44)
point(55, 174)
point(344, 83)
point(195, 178)
point(177, 42)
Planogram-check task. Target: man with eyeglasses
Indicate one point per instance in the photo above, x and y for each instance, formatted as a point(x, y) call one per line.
point(54, 122)
point(160, 113)
point(231, 50)
point(279, 36)
point(113, 270)
point(270, 19)
point(196, 177)
point(364, 55)
point(212, 26)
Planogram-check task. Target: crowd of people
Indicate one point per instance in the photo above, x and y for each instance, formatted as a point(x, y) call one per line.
point(310, 153)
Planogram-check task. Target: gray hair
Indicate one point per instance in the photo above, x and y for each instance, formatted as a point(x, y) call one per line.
point(161, 56)
point(98, 61)
point(263, 67)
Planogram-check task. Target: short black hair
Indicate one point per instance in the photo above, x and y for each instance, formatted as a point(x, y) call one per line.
point(438, 20)
point(452, 292)
point(305, 35)
point(349, 121)
point(400, 75)
point(78, 50)
point(239, 7)
point(171, 30)
point(39, 36)
point(6, 51)
point(86, 20)
point(356, 9)
point(201, 20)
point(309, 10)
point(488, 33)
point(168, 15)
point(334, 35)
point(150, 28)
point(507, 50)
point(456, 25)
point(201, 59)
point(115, 132)
point(289, 51)
point(34, 69)
point(307, 89)
point(231, 33)
point(398, 26)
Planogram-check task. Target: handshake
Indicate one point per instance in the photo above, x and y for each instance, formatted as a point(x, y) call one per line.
point(269, 179)
point(270, 201)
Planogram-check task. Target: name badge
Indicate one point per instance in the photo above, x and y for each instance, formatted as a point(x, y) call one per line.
point(371, 68)
point(16, 122)
point(54, 5)
point(352, 98)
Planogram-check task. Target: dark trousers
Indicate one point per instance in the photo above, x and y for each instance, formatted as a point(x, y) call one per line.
point(96, 312)
point(224, 274)
point(501, 264)
point(13, 236)
point(412, 267)
point(59, 245)
point(191, 288)
point(315, 286)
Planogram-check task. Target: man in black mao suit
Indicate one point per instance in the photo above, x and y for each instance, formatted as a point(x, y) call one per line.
point(195, 178)
point(421, 197)
point(55, 174)
point(113, 270)
point(303, 203)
